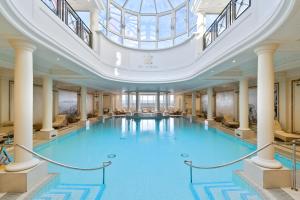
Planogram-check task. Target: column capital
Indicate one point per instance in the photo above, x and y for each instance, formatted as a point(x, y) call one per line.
point(22, 44)
point(267, 48)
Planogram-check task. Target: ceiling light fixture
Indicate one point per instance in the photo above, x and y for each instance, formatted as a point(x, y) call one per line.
point(234, 61)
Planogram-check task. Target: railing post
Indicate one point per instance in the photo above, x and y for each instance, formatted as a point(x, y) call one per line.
point(103, 173)
point(294, 170)
point(191, 170)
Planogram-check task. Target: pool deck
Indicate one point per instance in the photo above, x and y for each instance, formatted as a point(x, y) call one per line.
point(276, 194)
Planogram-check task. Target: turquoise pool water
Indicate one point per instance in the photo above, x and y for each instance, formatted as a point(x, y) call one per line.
point(148, 163)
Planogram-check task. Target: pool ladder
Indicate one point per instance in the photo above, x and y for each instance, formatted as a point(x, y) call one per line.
point(102, 167)
point(294, 144)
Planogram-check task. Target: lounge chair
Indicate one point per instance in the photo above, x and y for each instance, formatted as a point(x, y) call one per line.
point(60, 121)
point(282, 135)
point(6, 133)
point(230, 122)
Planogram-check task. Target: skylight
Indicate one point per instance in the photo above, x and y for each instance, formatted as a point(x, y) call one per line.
point(148, 24)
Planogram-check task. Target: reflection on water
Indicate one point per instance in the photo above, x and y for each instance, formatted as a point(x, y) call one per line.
point(145, 126)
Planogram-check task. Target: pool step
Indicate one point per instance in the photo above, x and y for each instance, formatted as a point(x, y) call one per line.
point(223, 191)
point(72, 191)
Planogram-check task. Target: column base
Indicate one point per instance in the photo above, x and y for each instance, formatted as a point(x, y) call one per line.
point(267, 178)
point(209, 122)
point(16, 167)
point(244, 133)
point(270, 164)
point(46, 134)
point(23, 181)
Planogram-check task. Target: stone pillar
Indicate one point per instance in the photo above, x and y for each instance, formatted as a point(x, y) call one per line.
point(83, 93)
point(128, 101)
point(243, 131)
point(193, 104)
point(4, 100)
point(111, 106)
point(265, 106)
point(47, 131)
point(100, 102)
point(94, 26)
point(283, 95)
point(263, 169)
point(23, 102)
point(158, 102)
point(183, 104)
point(210, 106)
point(137, 102)
point(167, 101)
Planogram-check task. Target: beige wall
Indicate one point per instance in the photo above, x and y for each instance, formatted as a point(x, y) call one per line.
point(4, 100)
point(225, 103)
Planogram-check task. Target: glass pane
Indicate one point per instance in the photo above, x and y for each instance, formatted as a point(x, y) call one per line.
point(130, 25)
point(181, 21)
point(72, 20)
point(192, 19)
point(165, 44)
point(162, 6)
point(209, 19)
point(148, 45)
point(85, 17)
point(52, 4)
point(133, 5)
point(131, 43)
point(164, 27)
point(148, 6)
point(241, 6)
point(180, 39)
point(176, 3)
point(120, 2)
point(114, 37)
point(222, 24)
point(115, 19)
point(102, 18)
point(148, 27)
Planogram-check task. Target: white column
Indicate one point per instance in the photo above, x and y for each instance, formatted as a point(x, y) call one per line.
point(83, 94)
point(158, 102)
point(244, 105)
point(193, 104)
point(4, 100)
point(128, 101)
point(48, 104)
point(100, 102)
point(55, 103)
point(265, 106)
point(23, 102)
point(94, 25)
point(283, 95)
point(167, 101)
point(183, 104)
point(210, 104)
point(137, 102)
point(200, 23)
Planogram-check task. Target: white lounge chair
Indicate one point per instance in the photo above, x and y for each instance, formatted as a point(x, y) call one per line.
point(282, 135)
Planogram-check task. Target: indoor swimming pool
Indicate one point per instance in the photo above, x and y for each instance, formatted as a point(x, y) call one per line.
point(147, 162)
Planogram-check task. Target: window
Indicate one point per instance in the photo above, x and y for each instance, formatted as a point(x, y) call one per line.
point(181, 21)
point(148, 28)
point(165, 23)
point(131, 25)
point(115, 19)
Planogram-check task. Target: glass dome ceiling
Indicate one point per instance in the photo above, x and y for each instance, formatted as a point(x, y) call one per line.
point(148, 24)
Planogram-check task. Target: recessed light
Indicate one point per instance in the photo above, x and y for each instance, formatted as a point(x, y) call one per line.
point(234, 61)
point(57, 59)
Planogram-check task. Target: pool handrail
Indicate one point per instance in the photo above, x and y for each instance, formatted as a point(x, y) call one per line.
point(294, 168)
point(104, 164)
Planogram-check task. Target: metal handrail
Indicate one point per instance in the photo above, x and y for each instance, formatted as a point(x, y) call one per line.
point(294, 168)
point(104, 164)
point(189, 162)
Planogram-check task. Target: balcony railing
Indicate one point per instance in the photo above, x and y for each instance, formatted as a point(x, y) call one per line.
point(233, 10)
point(67, 14)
